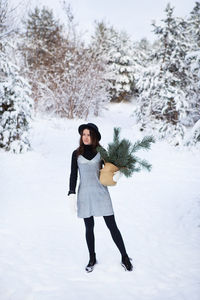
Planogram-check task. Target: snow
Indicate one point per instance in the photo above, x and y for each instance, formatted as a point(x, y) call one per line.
point(43, 250)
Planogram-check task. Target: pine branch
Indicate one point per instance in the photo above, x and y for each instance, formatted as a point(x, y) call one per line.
point(116, 135)
point(120, 153)
point(145, 143)
point(144, 164)
point(103, 153)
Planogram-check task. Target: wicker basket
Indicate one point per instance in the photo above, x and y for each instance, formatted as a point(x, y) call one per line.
point(106, 174)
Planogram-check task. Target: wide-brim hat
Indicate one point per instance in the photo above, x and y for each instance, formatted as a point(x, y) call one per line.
point(92, 127)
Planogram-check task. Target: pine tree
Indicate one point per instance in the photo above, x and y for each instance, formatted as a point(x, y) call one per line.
point(193, 27)
point(15, 107)
point(43, 51)
point(165, 86)
point(42, 31)
point(115, 49)
point(193, 58)
point(141, 58)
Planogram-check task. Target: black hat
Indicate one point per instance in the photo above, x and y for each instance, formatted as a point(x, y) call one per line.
point(90, 126)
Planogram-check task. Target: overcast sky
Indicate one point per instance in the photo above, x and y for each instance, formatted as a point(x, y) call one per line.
point(133, 16)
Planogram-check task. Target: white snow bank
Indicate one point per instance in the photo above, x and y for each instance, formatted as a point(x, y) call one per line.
point(43, 251)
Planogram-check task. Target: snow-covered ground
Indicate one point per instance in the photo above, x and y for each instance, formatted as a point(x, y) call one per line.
point(43, 250)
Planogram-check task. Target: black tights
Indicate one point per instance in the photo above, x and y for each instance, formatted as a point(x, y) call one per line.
point(112, 226)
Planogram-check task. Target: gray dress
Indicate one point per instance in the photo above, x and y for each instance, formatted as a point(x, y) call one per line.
point(93, 197)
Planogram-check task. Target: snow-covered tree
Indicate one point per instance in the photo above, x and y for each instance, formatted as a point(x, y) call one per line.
point(115, 49)
point(43, 30)
point(142, 51)
point(81, 90)
point(192, 137)
point(15, 107)
point(42, 49)
point(193, 63)
point(141, 58)
point(165, 86)
point(9, 18)
point(67, 79)
point(193, 26)
point(193, 57)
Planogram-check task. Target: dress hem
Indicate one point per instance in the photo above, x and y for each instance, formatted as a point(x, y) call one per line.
point(95, 215)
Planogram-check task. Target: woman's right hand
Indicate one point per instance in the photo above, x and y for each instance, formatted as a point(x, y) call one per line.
point(72, 203)
point(116, 176)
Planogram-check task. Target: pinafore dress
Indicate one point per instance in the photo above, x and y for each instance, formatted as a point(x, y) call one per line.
point(93, 198)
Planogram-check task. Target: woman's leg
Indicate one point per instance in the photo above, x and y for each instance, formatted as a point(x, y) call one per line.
point(89, 233)
point(117, 238)
point(89, 226)
point(115, 233)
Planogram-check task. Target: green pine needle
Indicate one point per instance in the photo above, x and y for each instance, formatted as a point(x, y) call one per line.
point(120, 153)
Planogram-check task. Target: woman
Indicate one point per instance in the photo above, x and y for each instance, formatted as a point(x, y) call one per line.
point(93, 197)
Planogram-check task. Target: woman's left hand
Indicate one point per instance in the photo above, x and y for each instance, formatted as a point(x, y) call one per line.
point(72, 203)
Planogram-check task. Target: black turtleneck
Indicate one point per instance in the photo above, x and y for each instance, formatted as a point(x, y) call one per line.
point(89, 154)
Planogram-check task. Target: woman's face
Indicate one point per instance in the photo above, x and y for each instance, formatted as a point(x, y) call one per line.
point(86, 137)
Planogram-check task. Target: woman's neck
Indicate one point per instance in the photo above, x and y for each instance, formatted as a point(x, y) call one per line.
point(89, 151)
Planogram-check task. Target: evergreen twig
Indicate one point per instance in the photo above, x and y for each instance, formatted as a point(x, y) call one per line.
point(120, 153)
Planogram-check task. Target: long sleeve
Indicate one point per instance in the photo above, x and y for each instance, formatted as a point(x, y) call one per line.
point(73, 175)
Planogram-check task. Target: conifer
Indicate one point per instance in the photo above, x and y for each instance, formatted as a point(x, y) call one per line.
point(16, 107)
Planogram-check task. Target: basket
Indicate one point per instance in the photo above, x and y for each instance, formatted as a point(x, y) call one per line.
point(106, 174)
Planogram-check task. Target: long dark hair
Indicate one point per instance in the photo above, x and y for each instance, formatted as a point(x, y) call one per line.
point(94, 142)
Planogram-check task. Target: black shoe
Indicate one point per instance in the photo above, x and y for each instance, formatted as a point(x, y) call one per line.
point(126, 263)
point(92, 262)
